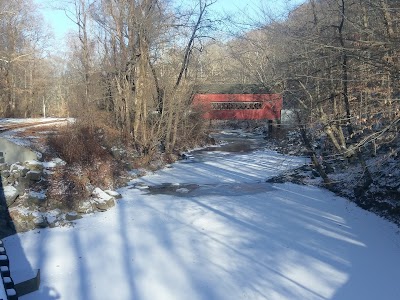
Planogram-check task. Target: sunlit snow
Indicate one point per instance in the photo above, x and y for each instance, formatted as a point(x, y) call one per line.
point(211, 228)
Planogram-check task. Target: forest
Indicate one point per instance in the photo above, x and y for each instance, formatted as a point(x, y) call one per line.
point(131, 68)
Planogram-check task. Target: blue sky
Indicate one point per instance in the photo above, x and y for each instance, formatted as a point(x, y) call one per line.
point(61, 24)
point(55, 18)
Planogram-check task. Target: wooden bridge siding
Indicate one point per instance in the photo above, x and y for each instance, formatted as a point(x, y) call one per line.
point(271, 108)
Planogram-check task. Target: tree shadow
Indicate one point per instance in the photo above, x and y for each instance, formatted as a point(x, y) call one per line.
point(7, 227)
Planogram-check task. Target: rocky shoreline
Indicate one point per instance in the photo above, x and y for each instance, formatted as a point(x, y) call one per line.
point(25, 204)
point(382, 197)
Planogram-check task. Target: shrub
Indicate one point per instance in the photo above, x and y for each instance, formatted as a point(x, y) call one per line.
point(86, 150)
point(79, 144)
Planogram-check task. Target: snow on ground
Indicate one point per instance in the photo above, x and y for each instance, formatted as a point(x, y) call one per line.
point(11, 128)
point(7, 121)
point(4, 122)
point(211, 228)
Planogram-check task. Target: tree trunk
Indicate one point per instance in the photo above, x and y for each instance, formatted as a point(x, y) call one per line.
point(345, 93)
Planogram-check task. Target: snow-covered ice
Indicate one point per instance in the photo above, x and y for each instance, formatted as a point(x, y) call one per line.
point(229, 236)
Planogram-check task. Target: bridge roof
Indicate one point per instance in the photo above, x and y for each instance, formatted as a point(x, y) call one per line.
point(231, 89)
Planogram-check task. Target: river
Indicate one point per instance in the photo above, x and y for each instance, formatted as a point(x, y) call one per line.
point(210, 227)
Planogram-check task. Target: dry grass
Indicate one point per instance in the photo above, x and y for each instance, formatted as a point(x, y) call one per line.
point(86, 150)
point(77, 144)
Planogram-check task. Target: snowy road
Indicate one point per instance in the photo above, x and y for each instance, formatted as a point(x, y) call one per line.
point(211, 228)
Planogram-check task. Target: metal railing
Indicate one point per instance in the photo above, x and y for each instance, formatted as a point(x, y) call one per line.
point(7, 289)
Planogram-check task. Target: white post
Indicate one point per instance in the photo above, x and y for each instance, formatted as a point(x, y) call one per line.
point(44, 108)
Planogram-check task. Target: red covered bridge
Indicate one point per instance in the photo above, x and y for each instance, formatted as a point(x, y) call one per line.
point(237, 102)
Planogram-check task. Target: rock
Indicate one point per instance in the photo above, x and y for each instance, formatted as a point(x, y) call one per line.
point(23, 220)
point(114, 194)
point(10, 180)
point(16, 174)
point(102, 201)
point(34, 175)
point(72, 216)
point(22, 185)
point(104, 205)
point(85, 207)
point(36, 198)
point(34, 165)
point(19, 169)
point(10, 194)
point(5, 173)
point(23, 175)
point(39, 220)
point(54, 217)
point(15, 166)
point(4, 166)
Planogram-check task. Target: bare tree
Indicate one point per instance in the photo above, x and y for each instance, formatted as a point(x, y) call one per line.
point(337, 64)
point(22, 42)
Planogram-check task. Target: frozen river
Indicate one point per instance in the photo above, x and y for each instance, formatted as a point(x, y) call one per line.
point(209, 227)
